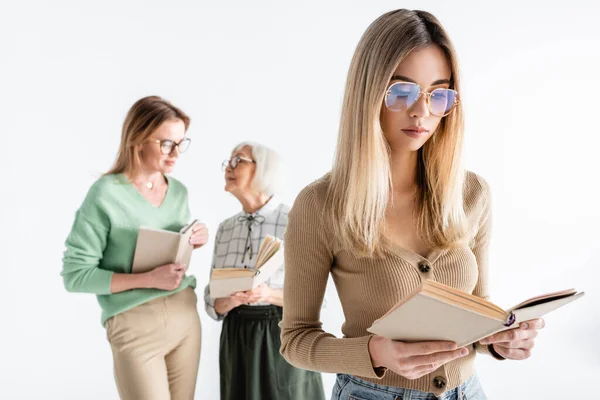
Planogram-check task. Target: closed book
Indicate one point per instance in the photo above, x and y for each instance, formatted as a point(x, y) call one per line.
point(156, 247)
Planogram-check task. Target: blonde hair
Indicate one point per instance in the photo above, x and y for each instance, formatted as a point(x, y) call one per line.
point(360, 184)
point(143, 118)
point(269, 175)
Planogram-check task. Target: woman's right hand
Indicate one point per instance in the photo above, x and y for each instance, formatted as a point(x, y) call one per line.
point(165, 277)
point(225, 304)
point(412, 360)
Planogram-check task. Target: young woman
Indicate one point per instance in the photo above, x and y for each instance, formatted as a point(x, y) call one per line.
point(251, 367)
point(151, 318)
point(396, 209)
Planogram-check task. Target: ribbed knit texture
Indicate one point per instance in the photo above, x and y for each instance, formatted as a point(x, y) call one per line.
point(369, 286)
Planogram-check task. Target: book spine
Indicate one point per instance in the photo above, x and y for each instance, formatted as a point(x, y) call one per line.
point(181, 249)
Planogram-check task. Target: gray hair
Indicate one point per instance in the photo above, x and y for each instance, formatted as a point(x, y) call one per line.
point(269, 176)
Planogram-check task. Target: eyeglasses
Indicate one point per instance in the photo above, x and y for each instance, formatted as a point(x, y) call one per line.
point(167, 146)
point(235, 161)
point(402, 95)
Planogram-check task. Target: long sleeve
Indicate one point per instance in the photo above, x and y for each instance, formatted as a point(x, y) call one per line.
point(104, 235)
point(308, 260)
point(480, 248)
point(209, 304)
point(84, 247)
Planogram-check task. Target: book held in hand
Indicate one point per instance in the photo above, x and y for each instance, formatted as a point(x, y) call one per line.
point(435, 311)
point(226, 281)
point(156, 247)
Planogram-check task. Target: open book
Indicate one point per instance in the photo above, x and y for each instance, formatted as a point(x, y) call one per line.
point(156, 247)
point(226, 281)
point(435, 311)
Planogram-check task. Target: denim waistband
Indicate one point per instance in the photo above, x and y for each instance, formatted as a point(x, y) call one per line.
point(391, 392)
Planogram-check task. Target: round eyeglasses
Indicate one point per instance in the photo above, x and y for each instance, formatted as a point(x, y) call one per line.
point(168, 146)
point(233, 162)
point(402, 95)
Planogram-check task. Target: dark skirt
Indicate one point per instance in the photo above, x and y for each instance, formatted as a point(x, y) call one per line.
point(250, 364)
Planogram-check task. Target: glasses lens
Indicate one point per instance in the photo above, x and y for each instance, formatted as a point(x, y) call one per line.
point(234, 162)
point(184, 144)
point(166, 146)
point(442, 101)
point(401, 96)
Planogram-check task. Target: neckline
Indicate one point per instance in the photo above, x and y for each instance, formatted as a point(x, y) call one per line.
point(409, 255)
point(267, 208)
point(136, 193)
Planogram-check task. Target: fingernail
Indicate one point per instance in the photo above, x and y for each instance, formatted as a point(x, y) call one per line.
point(524, 325)
point(464, 352)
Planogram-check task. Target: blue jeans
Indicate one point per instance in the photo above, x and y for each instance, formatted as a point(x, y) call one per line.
point(348, 387)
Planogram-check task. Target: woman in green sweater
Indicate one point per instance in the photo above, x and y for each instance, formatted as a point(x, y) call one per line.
point(151, 318)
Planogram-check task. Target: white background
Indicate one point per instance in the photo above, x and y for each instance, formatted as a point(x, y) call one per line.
point(274, 72)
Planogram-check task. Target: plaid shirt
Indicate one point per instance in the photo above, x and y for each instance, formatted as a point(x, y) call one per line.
point(238, 239)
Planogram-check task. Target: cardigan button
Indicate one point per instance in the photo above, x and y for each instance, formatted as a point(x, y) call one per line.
point(424, 267)
point(439, 382)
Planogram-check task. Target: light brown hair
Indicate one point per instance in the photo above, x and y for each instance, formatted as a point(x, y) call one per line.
point(143, 118)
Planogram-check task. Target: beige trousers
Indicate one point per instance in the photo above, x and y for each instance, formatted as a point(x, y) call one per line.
point(156, 348)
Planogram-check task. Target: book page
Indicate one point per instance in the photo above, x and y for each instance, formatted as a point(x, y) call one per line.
point(268, 247)
point(184, 254)
point(454, 297)
point(544, 298)
point(229, 273)
point(469, 304)
point(466, 296)
point(189, 226)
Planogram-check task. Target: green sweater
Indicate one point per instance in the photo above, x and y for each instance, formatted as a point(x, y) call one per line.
point(103, 238)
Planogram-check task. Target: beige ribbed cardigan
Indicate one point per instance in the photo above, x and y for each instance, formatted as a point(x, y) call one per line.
point(368, 287)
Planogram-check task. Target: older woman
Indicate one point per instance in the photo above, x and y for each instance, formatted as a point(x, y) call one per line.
point(250, 364)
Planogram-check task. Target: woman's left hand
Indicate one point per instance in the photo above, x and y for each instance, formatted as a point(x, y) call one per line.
point(199, 235)
point(516, 343)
